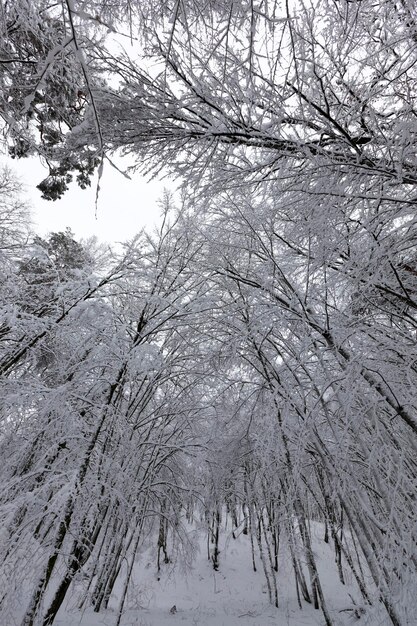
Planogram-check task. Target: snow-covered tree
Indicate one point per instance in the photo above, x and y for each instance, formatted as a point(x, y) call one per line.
point(264, 337)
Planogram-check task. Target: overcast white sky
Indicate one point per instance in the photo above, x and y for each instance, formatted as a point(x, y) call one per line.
point(124, 207)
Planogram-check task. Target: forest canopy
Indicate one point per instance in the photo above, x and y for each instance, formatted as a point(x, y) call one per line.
point(215, 91)
point(262, 340)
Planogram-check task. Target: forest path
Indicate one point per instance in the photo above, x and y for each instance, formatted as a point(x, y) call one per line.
point(235, 595)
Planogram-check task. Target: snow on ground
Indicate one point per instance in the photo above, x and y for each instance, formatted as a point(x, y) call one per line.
point(233, 596)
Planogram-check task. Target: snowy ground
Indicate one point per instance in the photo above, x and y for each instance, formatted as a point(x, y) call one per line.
point(233, 596)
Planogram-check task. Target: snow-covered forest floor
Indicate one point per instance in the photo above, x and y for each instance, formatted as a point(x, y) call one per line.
point(234, 595)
